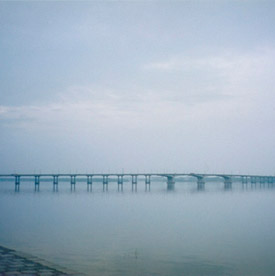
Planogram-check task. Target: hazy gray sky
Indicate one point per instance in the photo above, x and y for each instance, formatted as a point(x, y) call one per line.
point(105, 86)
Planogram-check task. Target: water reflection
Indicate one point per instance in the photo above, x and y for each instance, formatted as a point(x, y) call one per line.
point(193, 230)
point(17, 188)
point(200, 186)
point(227, 186)
point(105, 187)
point(147, 187)
point(72, 187)
point(134, 187)
point(55, 188)
point(36, 188)
point(178, 187)
point(120, 187)
point(89, 187)
point(170, 186)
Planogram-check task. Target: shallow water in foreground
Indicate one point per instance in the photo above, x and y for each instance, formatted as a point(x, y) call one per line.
point(214, 231)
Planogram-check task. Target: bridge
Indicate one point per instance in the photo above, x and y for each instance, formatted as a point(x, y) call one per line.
point(170, 177)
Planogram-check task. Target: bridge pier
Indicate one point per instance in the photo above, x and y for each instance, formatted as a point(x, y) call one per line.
point(105, 179)
point(17, 180)
point(55, 179)
point(105, 182)
point(253, 180)
point(73, 182)
point(55, 183)
point(134, 182)
point(244, 179)
point(37, 183)
point(37, 180)
point(134, 179)
point(89, 183)
point(120, 182)
point(73, 179)
point(147, 182)
point(120, 179)
point(227, 183)
point(89, 179)
point(200, 183)
point(170, 182)
point(17, 183)
point(147, 179)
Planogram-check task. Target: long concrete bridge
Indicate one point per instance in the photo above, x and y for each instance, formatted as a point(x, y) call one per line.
point(171, 178)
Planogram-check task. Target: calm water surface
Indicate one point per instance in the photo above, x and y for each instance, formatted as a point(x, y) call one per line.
point(158, 232)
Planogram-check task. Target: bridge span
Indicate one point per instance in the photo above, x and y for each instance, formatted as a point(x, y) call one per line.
point(147, 177)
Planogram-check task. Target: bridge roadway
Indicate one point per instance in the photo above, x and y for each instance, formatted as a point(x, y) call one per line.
point(171, 177)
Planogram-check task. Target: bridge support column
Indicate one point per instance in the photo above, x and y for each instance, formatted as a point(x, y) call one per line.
point(105, 179)
point(200, 183)
point(89, 183)
point(89, 179)
point(55, 179)
point(253, 180)
point(120, 182)
point(37, 180)
point(73, 179)
point(134, 179)
point(105, 182)
point(55, 183)
point(17, 180)
point(73, 182)
point(120, 179)
point(244, 179)
point(227, 183)
point(17, 183)
point(147, 182)
point(147, 179)
point(170, 183)
point(134, 182)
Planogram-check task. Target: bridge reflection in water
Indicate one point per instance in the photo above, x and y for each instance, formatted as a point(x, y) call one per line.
point(133, 179)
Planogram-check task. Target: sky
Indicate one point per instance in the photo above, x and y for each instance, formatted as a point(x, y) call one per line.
point(158, 86)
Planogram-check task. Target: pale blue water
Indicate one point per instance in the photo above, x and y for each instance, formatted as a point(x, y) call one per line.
point(156, 232)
